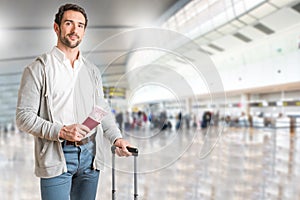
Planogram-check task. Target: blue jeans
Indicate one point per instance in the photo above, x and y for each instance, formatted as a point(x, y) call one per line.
point(79, 182)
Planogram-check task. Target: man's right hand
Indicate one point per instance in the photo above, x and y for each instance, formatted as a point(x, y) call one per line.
point(74, 132)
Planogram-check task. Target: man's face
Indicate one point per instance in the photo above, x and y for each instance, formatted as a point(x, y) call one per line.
point(72, 29)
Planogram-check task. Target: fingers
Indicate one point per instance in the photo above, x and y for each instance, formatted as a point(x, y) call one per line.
point(75, 132)
point(84, 128)
point(81, 130)
point(122, 152)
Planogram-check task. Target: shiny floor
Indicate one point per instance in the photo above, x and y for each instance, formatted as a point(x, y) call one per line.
point(218, 163)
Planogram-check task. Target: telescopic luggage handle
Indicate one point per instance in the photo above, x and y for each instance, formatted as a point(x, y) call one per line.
point(134, 152)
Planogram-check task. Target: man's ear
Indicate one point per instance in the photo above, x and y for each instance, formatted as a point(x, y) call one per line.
point(56, 28)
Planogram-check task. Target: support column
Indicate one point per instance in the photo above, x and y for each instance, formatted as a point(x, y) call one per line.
point(244, 103)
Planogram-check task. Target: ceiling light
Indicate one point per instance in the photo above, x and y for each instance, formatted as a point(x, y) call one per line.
point(296, 7)
point(263, 28)
point(216, 47)
point(242, 37)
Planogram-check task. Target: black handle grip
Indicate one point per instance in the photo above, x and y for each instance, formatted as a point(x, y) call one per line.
point(132, 150)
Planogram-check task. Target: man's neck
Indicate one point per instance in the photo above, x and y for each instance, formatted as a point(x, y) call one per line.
point(71, 53)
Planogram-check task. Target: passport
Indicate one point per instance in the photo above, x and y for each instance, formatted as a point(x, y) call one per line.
point(95, 117)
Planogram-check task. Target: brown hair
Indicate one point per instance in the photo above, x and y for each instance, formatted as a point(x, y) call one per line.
point(66, 7)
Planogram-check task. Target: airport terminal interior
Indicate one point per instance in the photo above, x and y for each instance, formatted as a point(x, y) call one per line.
point(207, 90)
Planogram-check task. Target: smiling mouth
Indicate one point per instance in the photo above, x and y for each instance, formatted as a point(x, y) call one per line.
point(73, 37)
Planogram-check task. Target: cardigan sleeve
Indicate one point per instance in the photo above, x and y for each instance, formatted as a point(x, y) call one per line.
point(31, 103)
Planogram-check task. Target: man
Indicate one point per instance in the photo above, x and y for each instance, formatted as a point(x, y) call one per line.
point(57, 92)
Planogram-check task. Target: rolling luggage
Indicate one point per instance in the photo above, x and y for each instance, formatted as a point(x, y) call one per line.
point(134, 152)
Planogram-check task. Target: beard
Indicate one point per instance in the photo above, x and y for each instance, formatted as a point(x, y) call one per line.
point(66, 41)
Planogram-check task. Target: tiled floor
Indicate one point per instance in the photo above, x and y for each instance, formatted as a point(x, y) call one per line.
point(215, 164)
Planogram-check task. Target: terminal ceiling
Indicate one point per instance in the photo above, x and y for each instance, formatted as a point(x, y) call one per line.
point(26, 32)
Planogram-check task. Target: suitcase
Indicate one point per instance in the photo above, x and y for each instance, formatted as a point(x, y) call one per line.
point(134, 152)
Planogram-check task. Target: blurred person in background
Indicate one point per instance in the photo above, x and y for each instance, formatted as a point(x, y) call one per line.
point(243, 120)
point(119, 119)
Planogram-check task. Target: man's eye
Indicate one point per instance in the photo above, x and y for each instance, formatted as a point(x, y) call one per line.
point(81, 26)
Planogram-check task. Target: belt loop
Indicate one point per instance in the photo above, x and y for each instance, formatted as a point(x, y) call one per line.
point(76, 144)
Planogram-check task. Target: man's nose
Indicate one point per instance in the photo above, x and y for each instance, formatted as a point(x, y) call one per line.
point(74, 29)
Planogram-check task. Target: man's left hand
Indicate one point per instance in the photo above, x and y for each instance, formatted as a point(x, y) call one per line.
point(122, 150)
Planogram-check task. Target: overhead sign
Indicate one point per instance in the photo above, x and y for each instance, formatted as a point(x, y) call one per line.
point(278, 103)
point(114, 93)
